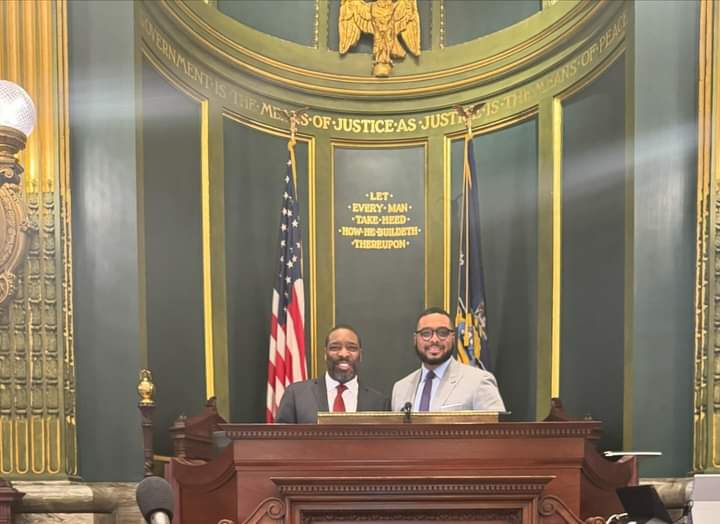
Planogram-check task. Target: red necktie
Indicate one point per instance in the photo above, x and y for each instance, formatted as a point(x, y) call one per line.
point(339, 404)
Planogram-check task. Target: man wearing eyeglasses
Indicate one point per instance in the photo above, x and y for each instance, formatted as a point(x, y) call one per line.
point(338, 390)
point(442, 383)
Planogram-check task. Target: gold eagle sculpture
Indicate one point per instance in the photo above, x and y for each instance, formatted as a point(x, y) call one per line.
point(386, 20)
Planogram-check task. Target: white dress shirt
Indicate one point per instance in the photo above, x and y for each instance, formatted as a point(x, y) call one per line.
point(349, 396)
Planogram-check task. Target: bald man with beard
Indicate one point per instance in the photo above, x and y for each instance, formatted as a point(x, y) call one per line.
point(338, 390)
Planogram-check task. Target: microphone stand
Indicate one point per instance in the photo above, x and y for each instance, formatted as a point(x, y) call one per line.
point(407, 409)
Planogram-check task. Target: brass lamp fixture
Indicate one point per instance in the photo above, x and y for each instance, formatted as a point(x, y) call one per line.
point(17, 120)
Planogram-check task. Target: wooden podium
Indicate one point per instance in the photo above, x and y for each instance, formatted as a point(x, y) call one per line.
point(520, 473)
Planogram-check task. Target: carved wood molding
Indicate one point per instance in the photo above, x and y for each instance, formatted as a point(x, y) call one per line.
point(511, 430)
point(510, 516)
point(550, 506)
point(418, 486)
point(8, 496)
point(271, 508)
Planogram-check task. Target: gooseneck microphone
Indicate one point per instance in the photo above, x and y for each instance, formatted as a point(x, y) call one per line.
point(155, 499)
point(407, 409)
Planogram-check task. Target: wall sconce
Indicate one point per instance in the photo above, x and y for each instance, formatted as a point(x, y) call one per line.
point(17, 120)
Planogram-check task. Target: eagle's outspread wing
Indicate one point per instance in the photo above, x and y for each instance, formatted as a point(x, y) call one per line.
point(407, 25)
point(354, 20)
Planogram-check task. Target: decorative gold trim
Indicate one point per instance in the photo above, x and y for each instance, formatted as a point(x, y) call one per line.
point(706, 426)
point(206, 252)
point(629, 241)
point(442, 23)
point(447, 214)
point(312, 254)
point(316, 32)
point(557, 127)
point(559, 31)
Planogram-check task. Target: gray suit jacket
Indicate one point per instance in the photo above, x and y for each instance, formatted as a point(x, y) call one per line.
point(461, 388)
point(302, 401)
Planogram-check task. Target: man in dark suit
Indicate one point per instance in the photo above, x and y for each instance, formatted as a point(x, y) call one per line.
point(343, 352)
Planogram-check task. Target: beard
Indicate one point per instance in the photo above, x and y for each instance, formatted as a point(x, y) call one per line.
point(434, 361)
point(341, 375)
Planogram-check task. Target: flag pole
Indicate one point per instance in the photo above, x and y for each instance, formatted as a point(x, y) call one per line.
point(287, 362)
point(465, 309)
point(293, 116)
point(467, 113)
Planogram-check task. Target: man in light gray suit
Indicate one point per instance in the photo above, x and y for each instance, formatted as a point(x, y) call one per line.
point(343, 352)
point(442, 383)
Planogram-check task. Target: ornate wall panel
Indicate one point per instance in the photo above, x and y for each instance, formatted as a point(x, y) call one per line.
point(379, 245)
point(508, 193)
point(37, 376)
point(521, 72)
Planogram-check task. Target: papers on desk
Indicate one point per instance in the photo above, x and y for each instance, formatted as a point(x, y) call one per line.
point(632, 453)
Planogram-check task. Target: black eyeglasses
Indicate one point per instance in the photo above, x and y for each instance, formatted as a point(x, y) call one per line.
point(441, 332)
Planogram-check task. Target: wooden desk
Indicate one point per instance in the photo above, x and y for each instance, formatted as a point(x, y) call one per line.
point(542, 472)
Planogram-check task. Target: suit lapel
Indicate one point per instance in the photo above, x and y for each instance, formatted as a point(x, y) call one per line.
point(362, 400)
point(450, 379)
point(320, 392)
point(411, 392)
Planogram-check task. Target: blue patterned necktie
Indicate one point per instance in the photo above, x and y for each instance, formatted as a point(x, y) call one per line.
point(427, 390)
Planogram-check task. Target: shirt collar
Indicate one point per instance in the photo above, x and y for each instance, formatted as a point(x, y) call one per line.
point(332, 384)
point(439, 371)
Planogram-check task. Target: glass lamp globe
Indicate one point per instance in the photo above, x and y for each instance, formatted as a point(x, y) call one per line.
point(16, 108)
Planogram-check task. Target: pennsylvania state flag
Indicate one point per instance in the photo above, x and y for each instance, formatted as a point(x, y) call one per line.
point(470, 317)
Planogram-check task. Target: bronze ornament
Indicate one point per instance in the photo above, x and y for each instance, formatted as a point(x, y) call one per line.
point(15, 225)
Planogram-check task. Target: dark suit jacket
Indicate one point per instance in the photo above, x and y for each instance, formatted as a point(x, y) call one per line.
point(302, 401)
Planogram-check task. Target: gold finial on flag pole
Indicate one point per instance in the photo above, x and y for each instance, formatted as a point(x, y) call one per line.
point(467, 113)
point(293, 116)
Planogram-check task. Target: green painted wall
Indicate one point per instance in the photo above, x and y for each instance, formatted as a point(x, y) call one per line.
point(593, 253)
point(381, 292)
point(173, 251)
point(507, 185)
point(466, 20)
point(256, 165)
point(105, 241)
point(665, 86)
point(292, 20)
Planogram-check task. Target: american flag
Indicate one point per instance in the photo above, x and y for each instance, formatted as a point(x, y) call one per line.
point(287, 362)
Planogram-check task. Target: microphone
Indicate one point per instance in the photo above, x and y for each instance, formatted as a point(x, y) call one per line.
point(407, 409)
point(155, 499)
